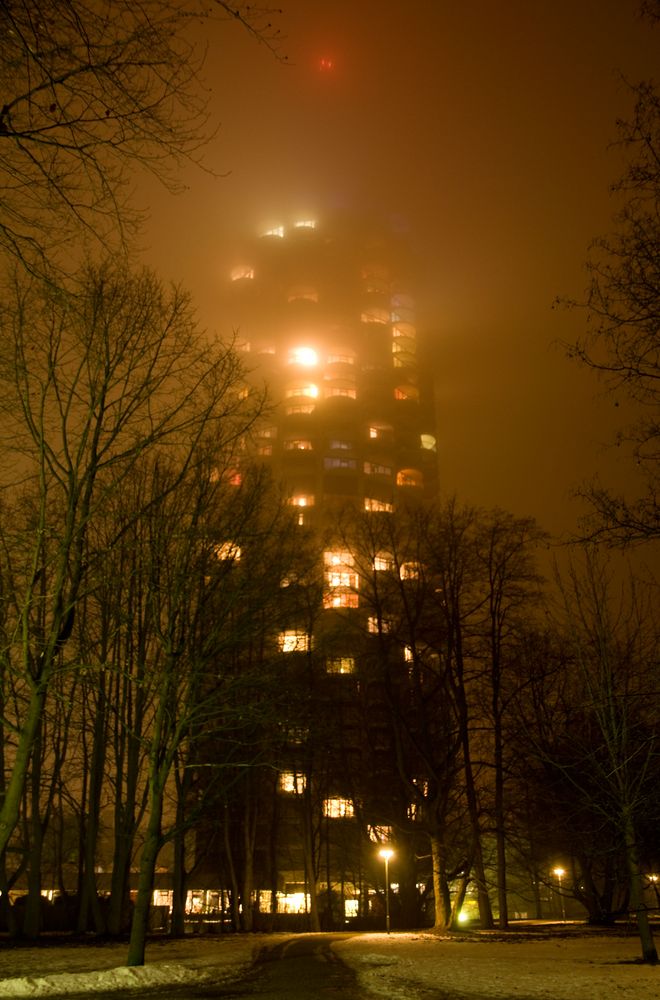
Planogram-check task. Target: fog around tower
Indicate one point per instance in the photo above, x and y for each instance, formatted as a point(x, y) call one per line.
point(479, 131)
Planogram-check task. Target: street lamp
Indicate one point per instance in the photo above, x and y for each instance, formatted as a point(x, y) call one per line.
point(385, 853)
point(559, 872)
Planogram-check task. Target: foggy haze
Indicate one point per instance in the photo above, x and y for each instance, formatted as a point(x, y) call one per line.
point(481, 130)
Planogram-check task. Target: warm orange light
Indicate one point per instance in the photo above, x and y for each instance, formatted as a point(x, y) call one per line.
point(306, 356)
point(386, 853)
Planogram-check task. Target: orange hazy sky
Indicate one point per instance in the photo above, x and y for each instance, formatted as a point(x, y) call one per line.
point(483, 129)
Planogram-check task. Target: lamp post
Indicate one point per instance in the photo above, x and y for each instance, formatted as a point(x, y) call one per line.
point(385, 853)
point(559, 872)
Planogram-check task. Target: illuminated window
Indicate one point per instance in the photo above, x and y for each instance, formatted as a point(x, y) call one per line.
point(292, 783)
point(227, 550)
point(409, 477)
point(370, 503)
point(340, 597)
point(268, 432)
point(341, 359)
point(383, 561)
point(298, 444)
point(374, 627)
point(234, 477)
point(293, 640)
point(302, 500)
point(238, 273)
point(372, 469)
point(306, 356)
point(410, 570)
point(427, 442)
point(277, 231)
point(340, 569)
point(406, 392)
point(380, 834)
point(340, 445)
point(340, 665)
point(377, 431)
point(338, 808)
point(303, 294)
point(265, 449)
point(339, 463)
point(305, 224)
point(408, 654)
point(302, 389)
point(404, 330)
point(375, 315)
point(347, 392)
point(295, 408)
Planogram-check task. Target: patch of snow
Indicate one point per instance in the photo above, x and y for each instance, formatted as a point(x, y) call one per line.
point(400, 966)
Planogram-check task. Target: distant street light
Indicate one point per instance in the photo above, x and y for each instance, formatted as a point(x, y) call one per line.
point(559, 872)
point(385, 853)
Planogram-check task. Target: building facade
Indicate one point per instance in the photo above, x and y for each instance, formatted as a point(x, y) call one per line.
point(326, 319)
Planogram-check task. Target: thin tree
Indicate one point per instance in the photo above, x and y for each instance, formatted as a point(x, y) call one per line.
point(92, 377)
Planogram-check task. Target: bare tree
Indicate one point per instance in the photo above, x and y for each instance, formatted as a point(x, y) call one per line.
point(594, 725)
point(92, 378)
point(622, 302)
point(91, 88)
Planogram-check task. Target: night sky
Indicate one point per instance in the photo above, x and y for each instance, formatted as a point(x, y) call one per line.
point(482, 130)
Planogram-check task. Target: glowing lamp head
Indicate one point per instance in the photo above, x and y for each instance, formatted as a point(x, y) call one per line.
point(386, 853)
point(558, 872)
point(306, 356)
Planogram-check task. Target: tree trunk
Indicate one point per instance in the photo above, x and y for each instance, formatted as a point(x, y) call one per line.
point(442, 901)
point(649, 951)
point(150, 849)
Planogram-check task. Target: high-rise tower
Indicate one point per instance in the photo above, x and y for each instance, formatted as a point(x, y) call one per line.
point(329, 321)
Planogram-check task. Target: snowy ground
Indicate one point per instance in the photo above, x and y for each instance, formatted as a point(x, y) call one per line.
point(564, 964)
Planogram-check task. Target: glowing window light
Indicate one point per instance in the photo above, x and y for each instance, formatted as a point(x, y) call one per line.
point(293, 640)
point(307, 389)
point(336, 807)
point(338, 557)
point(427, 442)
point(302, 500)
point(340, 665)
point(240, 273)
point(340, 597)
point(380, 834)
point(337, 445)
point(303, 294)
point(383, 562)
point(409, 477)
point(375, 315)
point(298, 444)
point(410, 570)
point(406, 392)
point(374, 627)
point(291, 782)
point(337, 462)
point(306, 356)
point(372, 504)
point(408, 654)
point(277, 231)
point(406, 330)
point(341, 359)
point(305, 224)
point(227, 551)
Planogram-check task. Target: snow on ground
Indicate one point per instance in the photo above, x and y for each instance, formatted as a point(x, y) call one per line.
point(85, 969)
point(565, 964)
point(407, 966)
